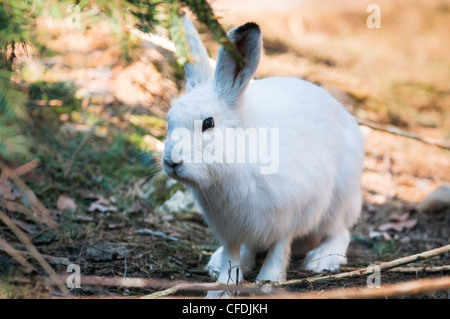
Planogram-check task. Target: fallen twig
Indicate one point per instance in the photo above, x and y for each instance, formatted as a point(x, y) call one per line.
point(146, 231)
point(25, 189)
point(18, 208)
point(241, 288)
point(50, 259)
point(162, 293)
point(409, 288)
point(14, 253)
point(27, 167)
point(369, 270)
point(169, 286)
point(33, 251)
point(408, 270)
point(399, 132)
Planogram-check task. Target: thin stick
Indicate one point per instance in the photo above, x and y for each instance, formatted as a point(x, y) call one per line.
point(408, 288)
point(50, 259)
point(168, 285)
point(14, 253)
point(408, 270)
point(162, 293)
point(33, 251)
point(188, 286)
point(18, 208)
point(369, 270)
point(25, 189)
point(397, 131)
point(25, 168)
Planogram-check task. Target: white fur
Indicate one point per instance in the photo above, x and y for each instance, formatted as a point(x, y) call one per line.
point(316, 190)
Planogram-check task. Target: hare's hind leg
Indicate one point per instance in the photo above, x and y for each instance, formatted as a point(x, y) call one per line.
point(330, 254)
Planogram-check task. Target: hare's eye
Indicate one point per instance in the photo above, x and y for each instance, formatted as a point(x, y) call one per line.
point(208, 123)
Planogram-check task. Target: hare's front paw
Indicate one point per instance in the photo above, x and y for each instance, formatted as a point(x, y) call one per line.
point(322, 259)
point(215, 263)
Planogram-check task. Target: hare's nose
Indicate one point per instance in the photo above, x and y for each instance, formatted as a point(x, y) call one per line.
point(170, 163)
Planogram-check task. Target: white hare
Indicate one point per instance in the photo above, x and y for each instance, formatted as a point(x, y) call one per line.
point(315, 189)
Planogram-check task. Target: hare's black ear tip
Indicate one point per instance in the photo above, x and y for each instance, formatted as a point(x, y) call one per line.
point(249, 29)
point(249, 26)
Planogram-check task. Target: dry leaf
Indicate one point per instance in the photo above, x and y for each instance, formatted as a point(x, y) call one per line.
point(399, 217)
point(399, 226)
point(29, 228)
point(102, 205)
point(8, 191)
point(115, 225)
point(5, 190)
point(65, 203)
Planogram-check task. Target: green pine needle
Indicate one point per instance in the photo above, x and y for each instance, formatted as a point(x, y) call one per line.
point(205, 15)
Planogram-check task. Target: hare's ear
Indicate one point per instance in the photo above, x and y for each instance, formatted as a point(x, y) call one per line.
point(230, 78)
point(198, 69)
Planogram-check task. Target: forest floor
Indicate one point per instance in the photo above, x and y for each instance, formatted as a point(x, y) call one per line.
point(98, 125)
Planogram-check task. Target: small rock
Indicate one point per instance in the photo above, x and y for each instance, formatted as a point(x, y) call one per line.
point(405, 240)
point(102, 205)
point(437, 201)
point(107, 251)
